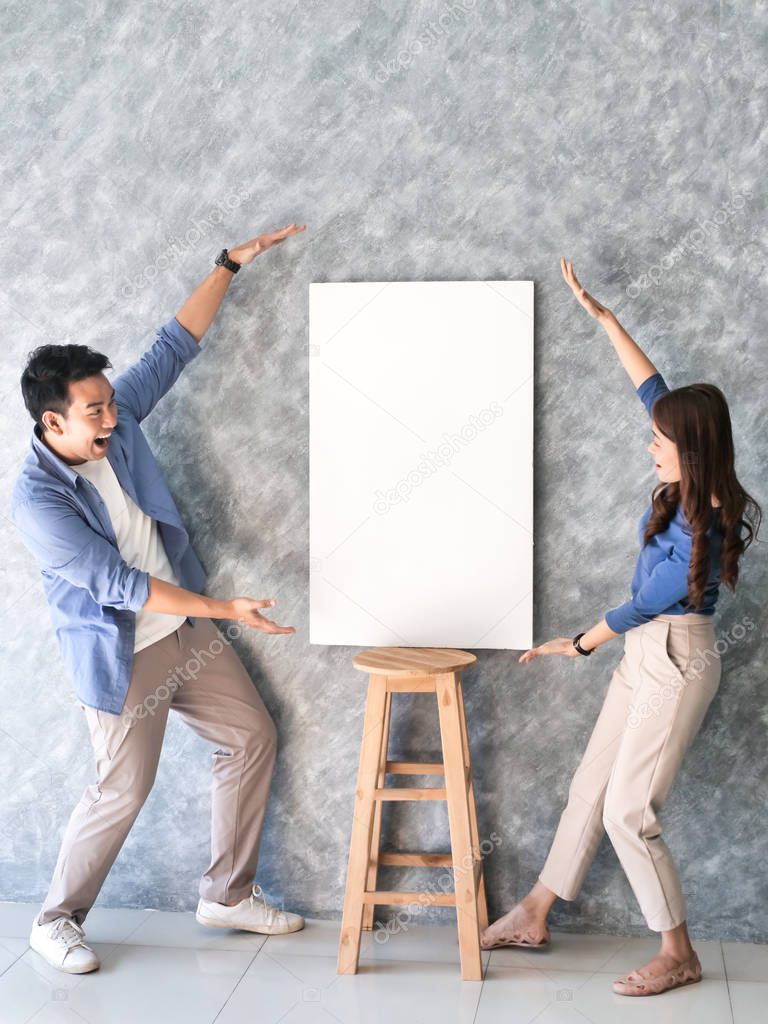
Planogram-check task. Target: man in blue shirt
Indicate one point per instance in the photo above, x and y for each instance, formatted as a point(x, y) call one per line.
point(124, 588)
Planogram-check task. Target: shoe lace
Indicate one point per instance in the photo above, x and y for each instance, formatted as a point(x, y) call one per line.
point(271, 913)
point(69, 932)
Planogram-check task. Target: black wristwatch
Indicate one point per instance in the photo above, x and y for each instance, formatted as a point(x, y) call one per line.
point(223, 260)
point(578, 646)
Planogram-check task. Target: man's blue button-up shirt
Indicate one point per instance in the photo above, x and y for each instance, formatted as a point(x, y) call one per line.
point(92, 593)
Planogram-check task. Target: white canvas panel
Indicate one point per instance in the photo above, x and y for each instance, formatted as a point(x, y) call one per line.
point(421, 464)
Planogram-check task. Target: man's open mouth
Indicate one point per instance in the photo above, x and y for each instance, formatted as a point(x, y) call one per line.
point(103, 441)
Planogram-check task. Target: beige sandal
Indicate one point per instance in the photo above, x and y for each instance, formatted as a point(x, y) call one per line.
point(518, 939)
point(634, 984)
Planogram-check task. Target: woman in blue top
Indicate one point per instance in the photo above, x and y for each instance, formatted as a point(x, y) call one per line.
point(691, 539)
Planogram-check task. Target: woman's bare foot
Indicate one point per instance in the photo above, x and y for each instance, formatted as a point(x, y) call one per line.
point(522, 923)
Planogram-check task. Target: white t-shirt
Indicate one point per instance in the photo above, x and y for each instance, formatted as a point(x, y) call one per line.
point(139, 543)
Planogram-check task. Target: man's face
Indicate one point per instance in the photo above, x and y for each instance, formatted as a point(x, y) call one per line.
point(92, 414)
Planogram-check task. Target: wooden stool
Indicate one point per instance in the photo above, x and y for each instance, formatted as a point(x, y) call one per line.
point(414, 670)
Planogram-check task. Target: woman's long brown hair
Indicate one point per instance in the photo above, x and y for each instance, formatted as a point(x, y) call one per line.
point(697, 419)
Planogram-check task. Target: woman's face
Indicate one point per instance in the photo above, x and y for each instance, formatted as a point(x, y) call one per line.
point(665, 456)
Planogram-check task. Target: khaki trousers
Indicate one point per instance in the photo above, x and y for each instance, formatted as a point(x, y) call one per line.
point(195, 671)
point(653, 708)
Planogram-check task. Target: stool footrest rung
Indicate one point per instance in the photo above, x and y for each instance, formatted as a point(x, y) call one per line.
point(440, 899)
point(409, 793)
point(416, 792)
point(423, 860)
point(415, 768)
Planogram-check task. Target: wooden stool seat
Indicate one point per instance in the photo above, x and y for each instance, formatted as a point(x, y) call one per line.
point(414, 670)
point(405, 661)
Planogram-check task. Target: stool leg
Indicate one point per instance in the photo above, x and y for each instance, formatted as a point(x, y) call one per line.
point(362, 822)
point(373, 862)
point(481, 899)
point(467, 916)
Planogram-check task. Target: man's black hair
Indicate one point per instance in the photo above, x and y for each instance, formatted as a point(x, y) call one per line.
point(47, 375)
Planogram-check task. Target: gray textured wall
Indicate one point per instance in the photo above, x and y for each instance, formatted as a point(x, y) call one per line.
point(418, 141)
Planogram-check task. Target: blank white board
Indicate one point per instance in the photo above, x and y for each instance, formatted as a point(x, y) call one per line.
point(421, 464)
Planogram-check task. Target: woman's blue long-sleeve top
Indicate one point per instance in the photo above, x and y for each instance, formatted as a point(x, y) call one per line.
point(660, 583)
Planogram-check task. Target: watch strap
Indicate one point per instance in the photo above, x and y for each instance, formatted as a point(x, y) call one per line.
point(223, 260)
point(578, 646)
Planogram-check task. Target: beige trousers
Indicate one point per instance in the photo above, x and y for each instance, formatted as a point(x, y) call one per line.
point(653, 708)
point(195, 671)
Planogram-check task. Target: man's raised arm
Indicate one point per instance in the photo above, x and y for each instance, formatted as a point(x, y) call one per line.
point(139, 388)
point(197, 313)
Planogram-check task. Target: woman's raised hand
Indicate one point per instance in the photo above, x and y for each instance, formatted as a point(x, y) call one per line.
point(561, 645)
point(589, 302)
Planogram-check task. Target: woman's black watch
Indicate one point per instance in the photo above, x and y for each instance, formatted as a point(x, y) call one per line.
point(223, 260)
point(578, 646)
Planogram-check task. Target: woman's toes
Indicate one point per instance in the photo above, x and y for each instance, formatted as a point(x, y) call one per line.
point(491, 935)
point(516, 925)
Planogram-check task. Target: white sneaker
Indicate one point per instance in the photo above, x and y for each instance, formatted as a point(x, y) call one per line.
point(60, 942)
point(250, 915)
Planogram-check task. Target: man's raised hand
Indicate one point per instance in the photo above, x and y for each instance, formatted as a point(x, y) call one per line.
point(247, 252)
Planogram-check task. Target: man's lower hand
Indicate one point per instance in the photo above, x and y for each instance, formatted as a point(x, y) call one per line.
point(246, 610)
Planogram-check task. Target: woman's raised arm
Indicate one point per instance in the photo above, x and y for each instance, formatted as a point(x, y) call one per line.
point(633, 359)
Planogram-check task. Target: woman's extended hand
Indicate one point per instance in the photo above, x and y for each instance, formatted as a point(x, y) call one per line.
point(247, 252)
point(561, 645)
point(246, 610)
point(589, 302)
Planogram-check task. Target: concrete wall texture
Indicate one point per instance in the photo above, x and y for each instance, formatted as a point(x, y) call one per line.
point(436, 140)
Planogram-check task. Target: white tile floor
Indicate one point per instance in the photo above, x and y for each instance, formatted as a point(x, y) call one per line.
point(164, 967)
